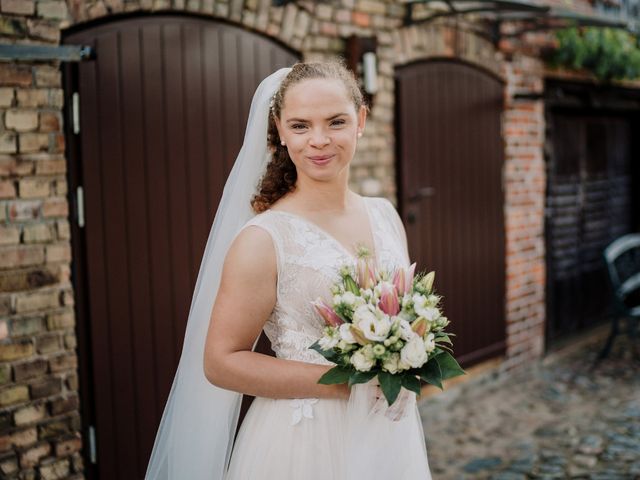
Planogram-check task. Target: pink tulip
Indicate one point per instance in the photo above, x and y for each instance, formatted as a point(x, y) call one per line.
point(388, 299)
point(399, 279)
point(410, 275)
point(326, 312)
point(366, 273)
point(420, 326)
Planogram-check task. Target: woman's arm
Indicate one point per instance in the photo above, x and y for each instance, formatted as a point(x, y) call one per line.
point(246, 297)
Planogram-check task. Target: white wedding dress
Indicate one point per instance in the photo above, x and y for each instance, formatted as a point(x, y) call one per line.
point(323, 439)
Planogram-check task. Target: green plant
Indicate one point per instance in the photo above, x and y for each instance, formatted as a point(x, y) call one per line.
point(606, 52)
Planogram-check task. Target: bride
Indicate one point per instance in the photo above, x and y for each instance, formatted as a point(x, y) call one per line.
point(270, 253)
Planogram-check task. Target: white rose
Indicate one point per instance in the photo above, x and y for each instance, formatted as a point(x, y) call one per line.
point(391, 363)
point(345, 333)
point(361, 362)
point(430, 343)
point(376, 327)
point(414, 353)
point(406, 333)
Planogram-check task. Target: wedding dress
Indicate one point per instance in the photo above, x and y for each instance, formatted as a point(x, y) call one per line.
point(323, 439)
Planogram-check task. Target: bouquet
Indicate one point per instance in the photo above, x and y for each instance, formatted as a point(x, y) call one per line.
point(385, 324)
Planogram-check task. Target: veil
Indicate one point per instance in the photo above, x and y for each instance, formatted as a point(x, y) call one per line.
point(195, 436)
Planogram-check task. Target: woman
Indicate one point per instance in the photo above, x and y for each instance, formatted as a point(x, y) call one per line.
point(308, 224)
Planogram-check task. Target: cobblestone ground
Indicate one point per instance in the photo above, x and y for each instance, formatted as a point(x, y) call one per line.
point(555, 420)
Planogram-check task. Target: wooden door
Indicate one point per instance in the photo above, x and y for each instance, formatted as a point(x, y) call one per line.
point(588, 205)
point(162, 112)
point(450, 157)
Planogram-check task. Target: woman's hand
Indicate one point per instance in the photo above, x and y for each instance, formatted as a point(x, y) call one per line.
point(378, 403)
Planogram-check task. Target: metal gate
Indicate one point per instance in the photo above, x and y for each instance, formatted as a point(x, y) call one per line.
point(162, 110)
point(450, 158)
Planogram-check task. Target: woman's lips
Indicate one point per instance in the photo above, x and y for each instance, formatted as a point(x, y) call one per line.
point(321, 159)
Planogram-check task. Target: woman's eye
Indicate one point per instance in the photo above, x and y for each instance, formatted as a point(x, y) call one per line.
point(338, 122)
point(298, 126)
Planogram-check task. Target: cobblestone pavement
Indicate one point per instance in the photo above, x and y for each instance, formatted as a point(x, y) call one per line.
point(554, 420)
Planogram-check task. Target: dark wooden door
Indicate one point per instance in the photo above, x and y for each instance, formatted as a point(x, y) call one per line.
point(588, 205)
point(162, 111)
point(450, 157)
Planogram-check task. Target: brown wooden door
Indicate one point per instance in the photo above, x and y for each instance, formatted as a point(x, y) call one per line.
point(162, 111)
point(450, 157)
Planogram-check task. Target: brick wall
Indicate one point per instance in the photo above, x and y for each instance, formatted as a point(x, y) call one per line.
point(39, 419)
point(39, 414)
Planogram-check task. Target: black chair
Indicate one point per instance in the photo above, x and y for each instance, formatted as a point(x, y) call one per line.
point(622, 257)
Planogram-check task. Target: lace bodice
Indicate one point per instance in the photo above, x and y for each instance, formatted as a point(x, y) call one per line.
point(308, 261)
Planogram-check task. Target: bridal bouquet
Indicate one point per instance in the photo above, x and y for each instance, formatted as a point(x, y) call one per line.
point(386, 324)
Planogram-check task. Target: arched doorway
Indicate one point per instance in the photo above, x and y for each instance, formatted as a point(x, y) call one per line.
point(450, 157)
point(162, 111)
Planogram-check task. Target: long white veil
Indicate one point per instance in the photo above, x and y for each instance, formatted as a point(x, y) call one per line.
point(195, 436)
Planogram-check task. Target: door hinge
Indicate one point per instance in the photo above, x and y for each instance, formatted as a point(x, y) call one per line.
point(92, 444)
point(75, 112)
point(80, 205)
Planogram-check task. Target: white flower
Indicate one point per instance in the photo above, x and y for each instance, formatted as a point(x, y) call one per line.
point(419, 300)
point(376, 327)
point(430, 343)
point(362, 313)
point(360, 361)
point(302, 408)
point(337, 299)
point(348, 298)
point(327, 342)
point(406, 333)
point(414, 353)
point(345, 333)
point(430, 313)
point(391, 363)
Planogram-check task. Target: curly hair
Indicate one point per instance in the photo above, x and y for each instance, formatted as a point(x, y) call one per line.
point(281, 175)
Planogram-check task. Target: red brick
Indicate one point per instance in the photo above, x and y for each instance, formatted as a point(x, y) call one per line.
point(31, 457)
point(30, 369)
point(64, 404)
point(15, 75)
point(45, 387)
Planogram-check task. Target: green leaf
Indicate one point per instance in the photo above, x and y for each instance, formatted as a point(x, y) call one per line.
point(443, 338)
point(448, 366)
point(431, 373)
point(361, 377)
point(410, 382)
point(335, 375)
point(390, 385)
point(330, 355)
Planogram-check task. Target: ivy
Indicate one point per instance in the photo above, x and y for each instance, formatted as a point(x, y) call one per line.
point(608, 53)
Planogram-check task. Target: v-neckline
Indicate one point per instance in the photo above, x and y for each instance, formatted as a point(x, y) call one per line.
point(351, 255)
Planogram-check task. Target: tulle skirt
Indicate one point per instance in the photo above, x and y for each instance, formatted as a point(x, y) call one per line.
point(342, 441)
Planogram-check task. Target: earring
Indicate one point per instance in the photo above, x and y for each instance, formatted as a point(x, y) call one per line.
point(282, 143)
point(359, 134)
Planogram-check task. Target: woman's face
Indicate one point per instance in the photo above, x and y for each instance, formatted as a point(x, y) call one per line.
point(320, 125)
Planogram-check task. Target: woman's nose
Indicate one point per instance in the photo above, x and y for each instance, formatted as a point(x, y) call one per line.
point(319, 138)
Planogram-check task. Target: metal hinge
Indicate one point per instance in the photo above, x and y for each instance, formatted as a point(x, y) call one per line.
point(75, 112)
point(92, 444)
point(80, 207)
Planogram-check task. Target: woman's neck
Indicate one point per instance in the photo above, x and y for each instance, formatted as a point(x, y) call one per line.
point(325, 197)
